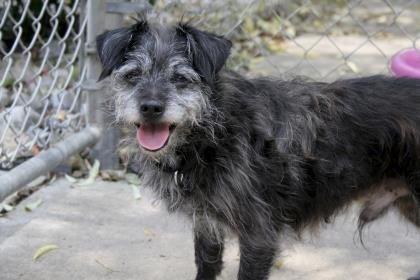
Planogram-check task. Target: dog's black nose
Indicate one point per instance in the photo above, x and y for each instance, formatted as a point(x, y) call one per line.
point(151, 109)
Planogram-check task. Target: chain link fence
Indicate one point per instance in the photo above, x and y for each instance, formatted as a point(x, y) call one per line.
point(327, 40)
point(48, 65)
point(322, 39)
point(42, 71)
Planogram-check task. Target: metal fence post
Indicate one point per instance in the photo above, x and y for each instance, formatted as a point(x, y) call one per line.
point(98, 22)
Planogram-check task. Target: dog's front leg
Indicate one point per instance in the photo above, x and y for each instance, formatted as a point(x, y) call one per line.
point(257, 256)
point(415, 277)
point(208, 247)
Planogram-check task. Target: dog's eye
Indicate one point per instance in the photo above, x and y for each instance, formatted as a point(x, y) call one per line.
point(131, 76)
point(179, 80)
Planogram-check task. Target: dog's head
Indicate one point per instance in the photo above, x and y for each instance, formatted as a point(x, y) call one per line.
point(162, 77)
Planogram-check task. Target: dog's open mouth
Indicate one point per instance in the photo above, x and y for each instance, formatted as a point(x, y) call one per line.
point(154, 136)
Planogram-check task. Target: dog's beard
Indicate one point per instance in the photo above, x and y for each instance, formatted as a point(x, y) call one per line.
point(188, 112)
point(185, 137)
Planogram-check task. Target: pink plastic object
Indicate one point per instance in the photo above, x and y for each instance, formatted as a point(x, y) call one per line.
point(406, 63)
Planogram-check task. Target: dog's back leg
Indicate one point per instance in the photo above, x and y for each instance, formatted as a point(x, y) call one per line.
point(409, 208)
point(415, 277)
point(257, 257)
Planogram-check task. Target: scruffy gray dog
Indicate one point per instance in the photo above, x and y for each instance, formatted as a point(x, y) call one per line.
point(258, 157)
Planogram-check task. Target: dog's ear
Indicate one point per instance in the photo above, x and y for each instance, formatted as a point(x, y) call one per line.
point(208, 52)
point(112, 46)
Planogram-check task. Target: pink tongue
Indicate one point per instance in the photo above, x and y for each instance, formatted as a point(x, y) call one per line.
point(153, 136)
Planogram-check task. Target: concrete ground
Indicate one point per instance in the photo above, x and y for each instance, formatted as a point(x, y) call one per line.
point(102, 232)
point(324, 56)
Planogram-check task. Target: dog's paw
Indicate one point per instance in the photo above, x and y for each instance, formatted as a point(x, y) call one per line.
point(415, 277)
point(207, 277)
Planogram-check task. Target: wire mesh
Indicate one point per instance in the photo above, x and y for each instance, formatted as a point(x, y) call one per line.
point(322, 39)
point(41, 73)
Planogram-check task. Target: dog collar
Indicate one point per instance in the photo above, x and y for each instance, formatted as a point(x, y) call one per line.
point(180, 184)
point(177, 175)
point(179, 179)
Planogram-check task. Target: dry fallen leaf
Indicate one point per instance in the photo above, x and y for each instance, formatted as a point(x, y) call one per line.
point(112, 175)
point(44, 250)
point(278, 264)
point(35, 150)
point(148, 232)
point(61, 115)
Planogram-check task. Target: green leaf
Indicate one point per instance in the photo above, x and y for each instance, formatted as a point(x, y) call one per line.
point(44, 250)
point(136, 192)
point(93, 173)
point(6, 207)
point(353, 67)
point(132, 179)
point(32, 206)
point(8, 82)
point(70, 178)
